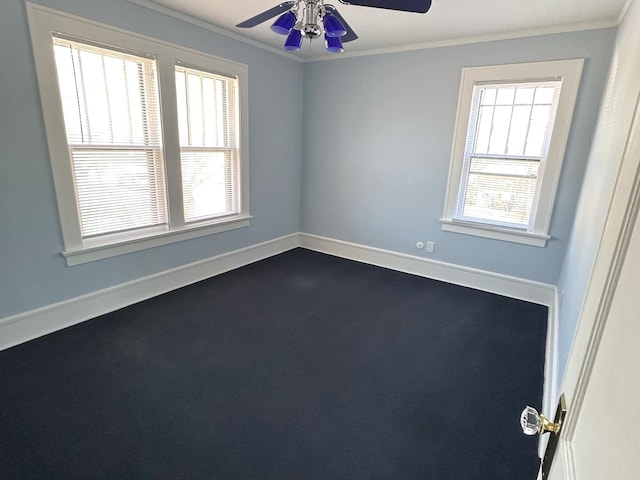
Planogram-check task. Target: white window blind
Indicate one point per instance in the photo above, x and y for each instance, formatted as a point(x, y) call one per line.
point(112, 119)
point(507, 144)
point(209, 136)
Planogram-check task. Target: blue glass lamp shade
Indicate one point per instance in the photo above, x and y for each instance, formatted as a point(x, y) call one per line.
point(333, 44)
point(294, 40)
point(284, 23)
point(332, 26)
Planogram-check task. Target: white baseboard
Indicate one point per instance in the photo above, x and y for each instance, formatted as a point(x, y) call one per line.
point(550, 392)
point(535, 292)
point(35, 323)
point(514, 287)
point(568, 460)
point(552, 354)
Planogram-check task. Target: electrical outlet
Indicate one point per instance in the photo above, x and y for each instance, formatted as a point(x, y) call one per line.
point(430, 247)
point(420, 245)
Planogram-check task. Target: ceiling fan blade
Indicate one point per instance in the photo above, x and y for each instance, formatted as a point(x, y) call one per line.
point(351, 35)
point(417, 6)
point(266, 15)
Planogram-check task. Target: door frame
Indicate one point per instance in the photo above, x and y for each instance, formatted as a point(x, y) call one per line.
point(614, 243)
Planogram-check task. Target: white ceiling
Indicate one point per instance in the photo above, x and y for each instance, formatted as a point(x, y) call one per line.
point(447, 22)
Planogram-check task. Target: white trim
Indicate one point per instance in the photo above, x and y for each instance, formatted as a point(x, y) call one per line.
point(492, 37)
point(624, 211)
point(533, 32)
point(550, 390)
point(624, 10)
point(496, 233)
point(568, 464)
point(42, 22)
point(26, 326)
point(98, 252)
point(35, 7)
point(514, 287)
point(551, 367)
point(213, 28)
point(569, 71)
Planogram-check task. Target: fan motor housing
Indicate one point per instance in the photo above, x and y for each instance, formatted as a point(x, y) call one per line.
point(311, 30)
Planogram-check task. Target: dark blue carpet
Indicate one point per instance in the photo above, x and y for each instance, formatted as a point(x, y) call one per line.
point(301, 366)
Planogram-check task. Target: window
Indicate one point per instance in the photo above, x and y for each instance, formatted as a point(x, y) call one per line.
point(112, 119)
point(146, 139)
point(511, 129)
point(208, 143)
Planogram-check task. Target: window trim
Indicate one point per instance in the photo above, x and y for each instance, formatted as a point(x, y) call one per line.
point(567, 70)
point(44, 23)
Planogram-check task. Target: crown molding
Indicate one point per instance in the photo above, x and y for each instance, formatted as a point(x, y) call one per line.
point(624, 10)
point(212, 28)
point(566, 28)
point(574, 27)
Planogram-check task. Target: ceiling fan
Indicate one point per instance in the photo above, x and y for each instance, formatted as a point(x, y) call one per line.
point(310, 19)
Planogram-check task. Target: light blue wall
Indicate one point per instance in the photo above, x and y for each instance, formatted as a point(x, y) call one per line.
point(375, 136)
point(609, 143)
point(377, 143)
point(32, 271)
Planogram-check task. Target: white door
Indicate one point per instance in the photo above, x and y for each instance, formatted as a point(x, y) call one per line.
point(600, 439)
point(604, 438)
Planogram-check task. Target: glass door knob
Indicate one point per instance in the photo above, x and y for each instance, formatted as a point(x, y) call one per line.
point(533, 423)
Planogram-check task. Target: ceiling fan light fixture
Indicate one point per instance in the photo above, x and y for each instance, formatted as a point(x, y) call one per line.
point(311, 18)
point(294, 40)
point(284, 23)
point(333, 44)
point(333, 27)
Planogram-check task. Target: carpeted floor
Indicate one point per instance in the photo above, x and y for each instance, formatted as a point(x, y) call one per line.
point(302, 366)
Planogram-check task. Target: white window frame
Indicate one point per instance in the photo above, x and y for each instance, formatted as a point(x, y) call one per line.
point(44, 23)
point(569, 72)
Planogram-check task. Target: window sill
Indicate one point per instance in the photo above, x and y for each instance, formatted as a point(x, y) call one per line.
point(92, 253)
point(496, 233)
